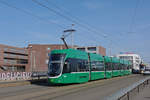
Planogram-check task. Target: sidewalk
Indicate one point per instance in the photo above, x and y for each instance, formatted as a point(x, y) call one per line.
point(11, 83)
point(144, 94)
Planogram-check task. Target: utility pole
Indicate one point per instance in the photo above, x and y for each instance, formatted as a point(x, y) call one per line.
point(72, 35)
point(110, 47)
point(31, 55)
point(34, 64)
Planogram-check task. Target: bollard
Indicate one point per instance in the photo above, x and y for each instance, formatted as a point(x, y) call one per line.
point(128, 95)
point(138, 88)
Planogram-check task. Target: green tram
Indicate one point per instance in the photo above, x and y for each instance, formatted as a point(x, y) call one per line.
point(75, 66)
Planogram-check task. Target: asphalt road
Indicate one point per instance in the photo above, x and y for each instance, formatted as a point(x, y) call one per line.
point(95, 90)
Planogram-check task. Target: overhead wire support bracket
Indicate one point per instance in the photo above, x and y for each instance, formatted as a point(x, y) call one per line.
point(70, 32)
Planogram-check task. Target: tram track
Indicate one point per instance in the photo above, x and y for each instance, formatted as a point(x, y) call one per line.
point(86, 87)
point(20, 92)
point(53, 92)
point(99, 91)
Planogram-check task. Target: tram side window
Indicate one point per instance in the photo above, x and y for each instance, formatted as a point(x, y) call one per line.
point(119, 67)
point(115, 66)
point(86, 64)
point(75, 65)
point(97, 66)
point(66, 68)
point(108, 66)
point(70, 66)
point(127, 67)
point(83, 65)
point(124, 66)
point(130, 66)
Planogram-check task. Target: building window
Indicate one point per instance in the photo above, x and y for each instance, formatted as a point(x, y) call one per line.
point(82, 49)
point(15, 61)
point(92, 48)
point(22, 61)
point(5, 49)
point(21, 68)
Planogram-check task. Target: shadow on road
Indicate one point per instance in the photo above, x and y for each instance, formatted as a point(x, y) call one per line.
point(44, 82)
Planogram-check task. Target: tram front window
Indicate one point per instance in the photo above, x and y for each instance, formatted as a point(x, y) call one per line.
point(55, 64)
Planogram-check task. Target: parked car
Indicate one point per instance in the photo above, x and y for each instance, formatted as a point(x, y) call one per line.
point(146, 71)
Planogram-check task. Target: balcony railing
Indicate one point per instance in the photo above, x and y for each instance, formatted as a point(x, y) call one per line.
point(15, 50)
point(15, 56)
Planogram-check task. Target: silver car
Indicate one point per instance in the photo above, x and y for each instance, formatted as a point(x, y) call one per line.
point(146, 71)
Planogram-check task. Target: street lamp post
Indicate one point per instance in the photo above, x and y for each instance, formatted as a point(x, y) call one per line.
point(110, 47)
point(31, 68)
point(34, 63)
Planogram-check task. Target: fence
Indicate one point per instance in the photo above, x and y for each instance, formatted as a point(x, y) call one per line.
point(5, 76)
point(15, 76)
point(129, 92)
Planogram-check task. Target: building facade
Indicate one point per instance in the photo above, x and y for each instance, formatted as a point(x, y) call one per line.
point(39, 56)
point(135, 59)
point(93, 49)
point(13, 58)
point(35, 57)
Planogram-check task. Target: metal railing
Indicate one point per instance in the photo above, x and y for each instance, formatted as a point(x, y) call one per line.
point(39, 75)
point(129, 92)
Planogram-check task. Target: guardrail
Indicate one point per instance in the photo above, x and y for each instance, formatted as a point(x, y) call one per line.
point(127, 93)
point(38, 75)
point(12, 76)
